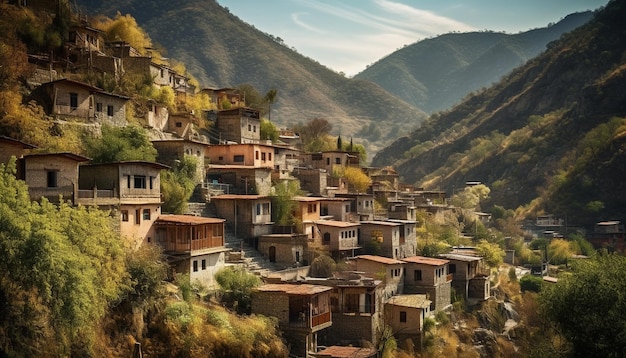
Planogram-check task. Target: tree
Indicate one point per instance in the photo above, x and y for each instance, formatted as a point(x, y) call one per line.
point(491, 252)
point(282, 202)
point(313, 134)
point(588, 306)
point(120, 144)
point(470, 197)
point(339, 146)
point(236, 286)
point(62, 268)
point(357, 179)
point(177, 185)
point(323, 266)
point(125, 28)
point(270, 98)
point(269, 131)
point(559, 251)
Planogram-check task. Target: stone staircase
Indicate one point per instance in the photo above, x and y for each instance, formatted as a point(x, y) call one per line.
point(241, 254)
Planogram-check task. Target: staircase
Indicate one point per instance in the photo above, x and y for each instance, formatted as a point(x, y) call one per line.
point(250, 258)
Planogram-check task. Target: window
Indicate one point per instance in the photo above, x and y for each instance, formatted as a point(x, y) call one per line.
point(266, 208)
point(203, 264)
point(312, 208)
point(137, 216)
point(52, 176)
point(326, 238)
point(110, 111)
point(73, 100)
point(403, 316)
point(256, 154)
point(417, 275)
point(140, 182)
point(327, 161)
point(125, 215)
point(146, 214)
point(263, 156)
point(238, 158)
point(258, 209)
point(249, 128)
point(269, 156)
point(151, 179)
point(179, 124)
point(452, 268)
point(195, 265)
point(337, 160)
point(254, 128)
point(99, 107)
point(128, 181)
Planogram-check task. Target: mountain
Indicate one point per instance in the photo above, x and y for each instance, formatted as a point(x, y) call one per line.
point(220, 50)
point(551, 136)
point(436, 73)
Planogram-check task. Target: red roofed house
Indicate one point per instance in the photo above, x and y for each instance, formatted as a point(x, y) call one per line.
point(193, 245)
point(340, 238)
point(302, 311)
point(391, 271)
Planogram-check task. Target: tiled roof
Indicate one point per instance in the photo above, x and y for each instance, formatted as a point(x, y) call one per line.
point(380, 259)
point(347, 352)
point(293, 289)
point(238, 197)
point(413, 301)
point(336, 223)
point(425, 260)
point(188, 219)
point(307, 198)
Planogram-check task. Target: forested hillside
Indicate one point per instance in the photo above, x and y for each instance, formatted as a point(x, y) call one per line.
point(220, 50)
point(549, 136)
point(436, 73)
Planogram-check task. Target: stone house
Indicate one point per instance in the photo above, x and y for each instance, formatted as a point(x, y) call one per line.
point(249, 215)
point(193, 245)
point(400, 210)
point(338, 209)
point(133, 188)
point(286, 160)
point(169, 151)
point(362, 204)
point(429, 276)
point(239, 125)
point(302, 311)
point(357, 307)
point(339, 238)
point(240, 179)
point(288, 250)
point(69, 98)
point(314, 181)
point(406, 314)
point(408, 237)
point(470, 277)
point(50, 175)
point(10, 147)
point(390, 271)
point(389, 238)
point(221, 95)
point(331, 160)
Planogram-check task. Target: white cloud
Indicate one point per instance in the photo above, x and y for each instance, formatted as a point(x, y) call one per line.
point(295, 17)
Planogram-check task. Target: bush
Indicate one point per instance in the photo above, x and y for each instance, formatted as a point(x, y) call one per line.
point(530, 283)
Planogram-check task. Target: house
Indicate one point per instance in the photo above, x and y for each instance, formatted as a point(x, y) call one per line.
point(10, 147)
point(406, 314)
point(239, 125)
point(307, 212)
point(331, 160)
point(400, 210)
point(302, 311)
point(357, 308)
point(249, 154)
point(51, 175)
point(249, 215)
point(389, 238)
point(286, 249)
point(69, 98)
point(338, 209)
point(608, 234)
point(339, 238)
point(224, 98)
point(314, 181)
point(133, 188)
point(171, 151)
point(193, 245)
point(362, 204)
point(240, 179)
point(390, 271)
point(429, 276)
point(470, 278)
point(286, 160)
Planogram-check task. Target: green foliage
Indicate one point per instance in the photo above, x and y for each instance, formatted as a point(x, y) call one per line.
point(323, 266)
point(177, 185)
point(357, 179)
point(236, 286)
point(283, 205)
point(120, 144)
point(64, 265)
point(313, 134)
point(470, 197)
point(588, 306)
point(269, 131)
point(148, 271)
point(125, 28)
point(512, 274)
point(530, 283)
point(491, 252)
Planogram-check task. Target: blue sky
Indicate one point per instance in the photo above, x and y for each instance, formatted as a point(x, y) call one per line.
point(348, 35)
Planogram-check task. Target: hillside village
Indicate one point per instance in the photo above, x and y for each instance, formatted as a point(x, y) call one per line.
point(232, 217)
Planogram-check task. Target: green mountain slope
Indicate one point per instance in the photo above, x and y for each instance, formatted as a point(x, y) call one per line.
point(435, 74)
point(550, 136)
point(220, 50)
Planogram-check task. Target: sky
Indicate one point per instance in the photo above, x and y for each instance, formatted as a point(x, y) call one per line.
point(349, 35)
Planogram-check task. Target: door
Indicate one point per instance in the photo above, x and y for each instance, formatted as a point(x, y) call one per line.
point(272, 254)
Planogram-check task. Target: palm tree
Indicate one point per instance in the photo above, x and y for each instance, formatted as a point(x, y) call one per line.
point(270, 97)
